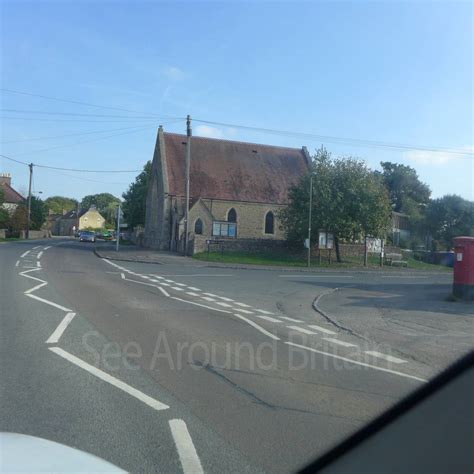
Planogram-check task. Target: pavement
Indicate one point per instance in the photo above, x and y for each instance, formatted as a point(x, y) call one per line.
point(176, 366)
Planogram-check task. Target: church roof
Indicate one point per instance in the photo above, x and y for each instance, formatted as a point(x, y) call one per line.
point(231, 170)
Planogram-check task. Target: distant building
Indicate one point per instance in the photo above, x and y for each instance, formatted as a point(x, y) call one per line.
point(236, 190)
point(400, 227)
point(12, 198)
point(65, 224)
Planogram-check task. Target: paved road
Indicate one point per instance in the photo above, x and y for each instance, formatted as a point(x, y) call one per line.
point(179, 366)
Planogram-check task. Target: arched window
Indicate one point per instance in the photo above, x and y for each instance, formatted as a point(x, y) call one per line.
point(269, 223)
point(232, 215)
point(198, 227)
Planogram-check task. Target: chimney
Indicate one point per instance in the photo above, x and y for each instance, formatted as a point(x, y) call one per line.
point(6, 178)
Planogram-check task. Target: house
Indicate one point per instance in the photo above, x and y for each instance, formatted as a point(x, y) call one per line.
point(236, 191)
point(88, 218)
point(12, 198)
point(400, 227)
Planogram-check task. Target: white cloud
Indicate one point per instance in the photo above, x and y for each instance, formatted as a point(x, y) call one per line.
point(214, 132)
point(174, 73)
point(438, 158)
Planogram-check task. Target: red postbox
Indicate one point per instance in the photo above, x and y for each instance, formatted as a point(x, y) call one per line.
point(463, 284)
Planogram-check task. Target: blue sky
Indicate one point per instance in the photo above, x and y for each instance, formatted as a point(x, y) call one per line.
point(397, 72)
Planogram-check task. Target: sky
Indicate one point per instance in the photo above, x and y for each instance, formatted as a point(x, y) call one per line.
point(386, 71)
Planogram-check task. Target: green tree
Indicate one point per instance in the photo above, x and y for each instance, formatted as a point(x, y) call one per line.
point(348, 200)
point(39, 211)
point(407, 193)
point(448, 217)
point(18, 219)
point(134, 204)
point(105, 203)
point(4, 216)
point(58, 204)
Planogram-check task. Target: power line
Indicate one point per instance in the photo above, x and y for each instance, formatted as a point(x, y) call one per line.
point(69, 101)
point(87, 179)
point(338, 140)
point(75, 114)
point(40, 119)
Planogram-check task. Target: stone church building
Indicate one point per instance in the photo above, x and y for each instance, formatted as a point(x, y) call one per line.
point(236, 191)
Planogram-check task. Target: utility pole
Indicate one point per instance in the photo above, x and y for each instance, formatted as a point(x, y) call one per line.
point(309, 218)
point(188, 166)
point(28, 221)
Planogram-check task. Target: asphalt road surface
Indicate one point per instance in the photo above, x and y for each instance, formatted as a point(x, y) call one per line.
point(185, 367)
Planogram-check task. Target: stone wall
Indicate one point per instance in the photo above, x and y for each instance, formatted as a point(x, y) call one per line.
point(3, 233)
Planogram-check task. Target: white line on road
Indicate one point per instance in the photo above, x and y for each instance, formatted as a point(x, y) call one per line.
point(243, 305)
point(40, 254)
point(225, 299)
point(199, 304)
point(17, 263)
point(164, 291)
point(46, 248)
point(37, 247)
point(338, 342)
point(316, 276)
point(25, 254)
point(180, 284)
point(258, 327)
point(263, 311)
point(356, 362)
point(208, 298)
point(390, 358)
point(300, 329)
point(194, 288)
point(292, 320)
point(269, 318)
point(170, 281)
point(177, 288)
point(157, 405)
point(184, 444)
point(211, 294)
point(226, 305)
point(246, 311)
point(321, 329)
point(58, 332)
point(62, 308)
point(38, 264)
point(37, 287)
point(191, 293)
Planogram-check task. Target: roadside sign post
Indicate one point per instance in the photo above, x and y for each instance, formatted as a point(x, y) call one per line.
point(117, 243)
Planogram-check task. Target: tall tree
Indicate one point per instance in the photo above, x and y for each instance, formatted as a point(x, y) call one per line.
point(39, 211)
point(58, 204)
point(407, 193)
point(18, 218)
point(348, 199)
point(134, 205)
point(448, 217)
point(105, 203)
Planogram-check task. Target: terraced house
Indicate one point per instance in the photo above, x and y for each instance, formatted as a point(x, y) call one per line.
point(236, 191)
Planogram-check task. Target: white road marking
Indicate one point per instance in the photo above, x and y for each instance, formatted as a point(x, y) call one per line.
point(192, 293)
point(208, 298)
point(246, 311)
point(123, 276)
point(243, 305)
point(158, 276)
point(51, 303)
point(269, 318)
point(316, 276)
point(164, 291)
point(292, 320)
point(356, 362)
point(211, 294)
point(338, 342)
point(40, 254)
point(37, 247)
point(300, 329)
point(263, 311)
point(145, 276)
point(184, 444)
point(46, 248)
point(152, 402)
point(180, 284)
point(25, 254)
point(38, 264)
point(390, 358)
point(194, 288)
point(256, 326)
point(226, 305)
point(37, 287)
point(164, 284)
point(321, 329)
point(199, 304)
point(177, 288)
point(17, 263)
point(225, 299)
point(170, 281)
point(58, 332)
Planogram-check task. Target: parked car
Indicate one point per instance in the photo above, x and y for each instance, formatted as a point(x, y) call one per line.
point(87, 236)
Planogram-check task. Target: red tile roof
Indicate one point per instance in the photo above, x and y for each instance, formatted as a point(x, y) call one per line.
point(10, 195)
point(230, 170)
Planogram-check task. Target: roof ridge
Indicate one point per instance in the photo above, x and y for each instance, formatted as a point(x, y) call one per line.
point(236, 141)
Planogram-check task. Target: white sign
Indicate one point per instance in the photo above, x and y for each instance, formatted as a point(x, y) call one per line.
point(459, 257)
point(306, 243)
point(326, 240)
point(374, 245)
